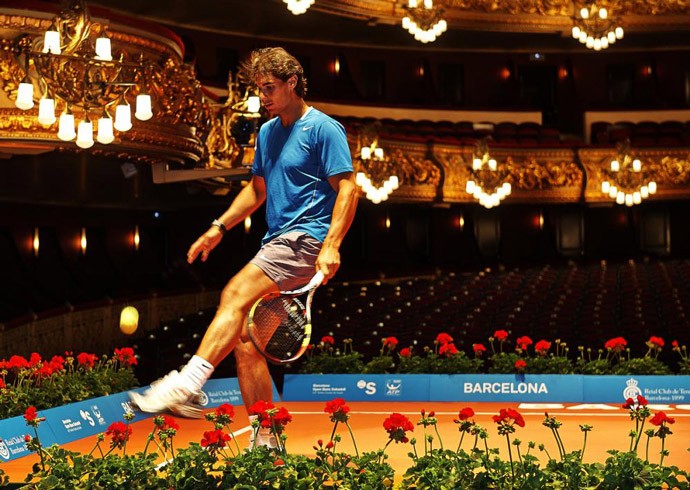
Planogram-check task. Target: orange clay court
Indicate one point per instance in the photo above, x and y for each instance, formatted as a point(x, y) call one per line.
point(611, 426)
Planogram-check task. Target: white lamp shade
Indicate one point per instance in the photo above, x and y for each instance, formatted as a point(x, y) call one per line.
point(51, 42)
point(105, 131)
point(103, 51)
point(66, 128)
point(46, 111)
point(143, 109)
point(25, 96)
point(85, 134)
point(123, 117)
point(253, 104)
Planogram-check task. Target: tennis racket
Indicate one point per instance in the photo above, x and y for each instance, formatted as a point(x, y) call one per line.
point(279, 324)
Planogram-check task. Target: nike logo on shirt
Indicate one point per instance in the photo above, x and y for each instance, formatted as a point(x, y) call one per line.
point(307, 128)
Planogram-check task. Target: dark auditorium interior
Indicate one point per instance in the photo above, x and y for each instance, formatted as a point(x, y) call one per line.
point(86, 231)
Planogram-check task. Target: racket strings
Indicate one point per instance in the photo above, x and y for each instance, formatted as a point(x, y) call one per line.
point(280, 323)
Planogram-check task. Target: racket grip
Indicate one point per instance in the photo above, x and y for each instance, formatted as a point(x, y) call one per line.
point(316, 280)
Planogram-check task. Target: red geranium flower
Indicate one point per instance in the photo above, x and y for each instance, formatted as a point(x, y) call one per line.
point(390, 342)
point(328, 340)
point(520, 364)
point(126, 356)
point(523, 342)
point(226, 410)
point(478, 349)
point(655, 343)
point(87, 360)
point(34, 359)
point(30, 414)
point(119, 433)
point(448, 350)
point(443, 338)
point(542, 347)
point(509, 416)
point(338, 410)
point(660, 418)
point(405, 352)
point(465, 413)
point(501, 335)
point(17, 362)
point(397, 425)
point(214, 439)
point(616, 344)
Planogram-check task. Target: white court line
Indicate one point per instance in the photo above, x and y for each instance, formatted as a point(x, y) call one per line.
point(551, 412)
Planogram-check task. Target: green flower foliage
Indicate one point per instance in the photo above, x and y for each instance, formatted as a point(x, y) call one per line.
point(47, 383)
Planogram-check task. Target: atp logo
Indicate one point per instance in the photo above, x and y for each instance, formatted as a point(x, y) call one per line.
point(393, 387)
point(369, 387)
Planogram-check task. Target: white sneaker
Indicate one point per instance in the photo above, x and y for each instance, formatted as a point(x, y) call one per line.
point(167, 395)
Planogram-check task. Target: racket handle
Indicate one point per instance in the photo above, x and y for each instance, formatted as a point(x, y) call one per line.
point(316, 280)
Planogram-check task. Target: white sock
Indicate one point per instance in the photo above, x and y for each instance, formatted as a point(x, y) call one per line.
point(195, 374)
point(263, 436)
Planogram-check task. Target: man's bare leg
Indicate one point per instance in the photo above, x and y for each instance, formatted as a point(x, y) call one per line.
point(175, 392)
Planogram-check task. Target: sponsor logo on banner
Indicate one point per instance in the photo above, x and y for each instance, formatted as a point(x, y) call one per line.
point(218, 397)
point(505, 388)
point(327, 389)
point(661, 390)
point(73, 425)
point(394, 387)
point(369, 387)
point(4, 450)
point(631, 390)
point(13, 447)
point(202, 399)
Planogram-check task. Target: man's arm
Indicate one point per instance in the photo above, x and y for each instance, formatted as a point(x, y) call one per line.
point(328, 260)
point(244, 204)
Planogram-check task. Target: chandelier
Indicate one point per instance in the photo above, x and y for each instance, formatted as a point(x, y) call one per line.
point(595, 27)
point(232, 135)
point(73, 71)
point(425, 22)
point(374, 174)
point(624, 179)
point(488, 183)
point(298, 7)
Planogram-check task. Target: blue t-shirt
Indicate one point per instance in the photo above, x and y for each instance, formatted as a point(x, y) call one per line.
point(295, 163)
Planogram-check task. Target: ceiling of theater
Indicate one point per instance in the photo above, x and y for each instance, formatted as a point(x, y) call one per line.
point(473, 24)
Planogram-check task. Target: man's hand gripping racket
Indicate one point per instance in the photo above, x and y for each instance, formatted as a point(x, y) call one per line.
point(279, 324)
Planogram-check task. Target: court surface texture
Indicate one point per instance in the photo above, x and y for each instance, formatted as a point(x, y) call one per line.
point(611, 426)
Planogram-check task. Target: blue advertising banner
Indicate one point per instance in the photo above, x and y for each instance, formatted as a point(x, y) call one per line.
point(356, 387)
point(556, 388)
point(12, 437)
point(89, 417)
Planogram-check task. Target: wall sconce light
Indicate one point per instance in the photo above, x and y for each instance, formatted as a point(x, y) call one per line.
point(36, 242)
point(488, 181)
point(624, 180)
point(82, 241)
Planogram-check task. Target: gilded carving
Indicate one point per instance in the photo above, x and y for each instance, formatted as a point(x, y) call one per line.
point(414, 170)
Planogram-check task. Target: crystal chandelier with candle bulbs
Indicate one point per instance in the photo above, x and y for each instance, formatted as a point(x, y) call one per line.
point(624, 179)
point(424, 20)
point(596, 26)
point(72, 72)
point(298, 7)
point(374, 172)
point(488, 183)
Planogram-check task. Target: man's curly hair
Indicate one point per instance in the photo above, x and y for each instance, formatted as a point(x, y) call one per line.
point(278, 63)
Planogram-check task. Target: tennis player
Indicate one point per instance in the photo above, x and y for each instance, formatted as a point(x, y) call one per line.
point(303, 171)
